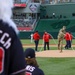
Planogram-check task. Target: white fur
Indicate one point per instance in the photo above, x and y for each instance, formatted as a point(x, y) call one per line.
point(6, 12)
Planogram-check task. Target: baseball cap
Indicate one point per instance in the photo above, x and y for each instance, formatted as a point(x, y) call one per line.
point(29, 53)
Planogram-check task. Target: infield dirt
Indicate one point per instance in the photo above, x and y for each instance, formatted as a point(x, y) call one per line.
point(56, 53)
point(53, 53)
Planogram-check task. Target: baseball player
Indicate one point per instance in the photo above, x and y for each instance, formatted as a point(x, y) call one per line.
point(11, 52)
point(32, 67)
point(61, 34)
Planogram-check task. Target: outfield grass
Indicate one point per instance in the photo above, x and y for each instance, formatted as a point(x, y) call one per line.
point(57, 66)
point(52, 42)
point(54, 66)
point(28, 41)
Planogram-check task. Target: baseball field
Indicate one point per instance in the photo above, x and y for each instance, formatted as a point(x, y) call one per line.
point(52, 62)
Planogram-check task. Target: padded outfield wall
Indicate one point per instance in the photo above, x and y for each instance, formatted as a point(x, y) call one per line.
point(51, 26)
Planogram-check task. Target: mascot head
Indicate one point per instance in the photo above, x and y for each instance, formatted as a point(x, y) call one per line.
point(6, 8)
point(6, 12)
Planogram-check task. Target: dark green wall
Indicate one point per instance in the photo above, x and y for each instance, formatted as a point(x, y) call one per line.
point(25, 35)
point(51, 26)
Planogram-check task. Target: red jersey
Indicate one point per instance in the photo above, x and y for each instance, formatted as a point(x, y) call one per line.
point(46, 37)
point(71, 36)
point(68, 36)
point(36, 36)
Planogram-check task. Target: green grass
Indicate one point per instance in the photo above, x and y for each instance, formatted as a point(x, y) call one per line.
point(54, 66)
point(28, 41)
point(57, 66)
point(52, 41)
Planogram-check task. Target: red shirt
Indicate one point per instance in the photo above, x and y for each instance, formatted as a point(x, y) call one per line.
point(46, 37)
point(68, 36)
point(36, 36)
point(71, 36)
